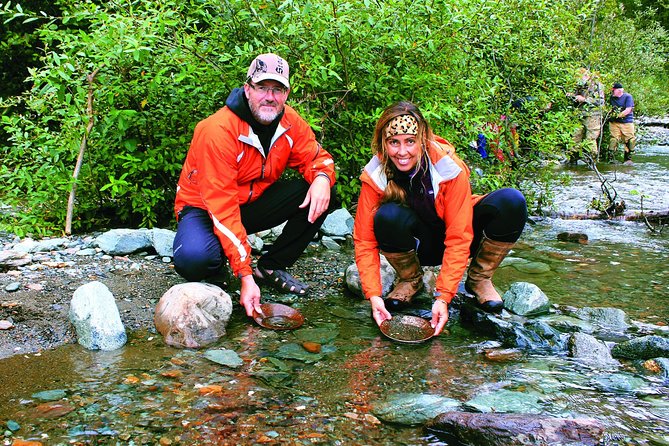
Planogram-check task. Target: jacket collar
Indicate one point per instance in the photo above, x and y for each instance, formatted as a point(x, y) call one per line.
point(239, 105)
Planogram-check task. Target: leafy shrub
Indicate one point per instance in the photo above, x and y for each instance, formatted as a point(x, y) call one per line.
point(161, 66)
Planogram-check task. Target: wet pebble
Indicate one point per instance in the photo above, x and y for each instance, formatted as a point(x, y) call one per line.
point(52, 409)
point(224, 357)
point(20, 442)
point(573, 237)
point(5, 325)
point(312, 347)
point(14, 286)
point(509, 354)
point(50, 395)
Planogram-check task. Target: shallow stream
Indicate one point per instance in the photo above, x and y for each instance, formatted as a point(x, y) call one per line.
point(147, 393)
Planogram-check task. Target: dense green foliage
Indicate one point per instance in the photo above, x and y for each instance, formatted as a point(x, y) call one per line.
point(161, 66)
point(17, 49)
point(649, 11)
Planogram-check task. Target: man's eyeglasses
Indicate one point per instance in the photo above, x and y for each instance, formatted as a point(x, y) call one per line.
point(264, 90)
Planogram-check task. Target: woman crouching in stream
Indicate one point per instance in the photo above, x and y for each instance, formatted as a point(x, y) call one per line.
point(417, 209)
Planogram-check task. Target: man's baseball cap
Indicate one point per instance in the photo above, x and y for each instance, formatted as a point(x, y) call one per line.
point(269, 66)
point(617, 85)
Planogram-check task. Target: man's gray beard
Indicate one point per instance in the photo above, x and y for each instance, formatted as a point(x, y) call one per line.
point(265, 118)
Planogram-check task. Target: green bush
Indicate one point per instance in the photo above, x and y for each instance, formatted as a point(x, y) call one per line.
point(161, 66)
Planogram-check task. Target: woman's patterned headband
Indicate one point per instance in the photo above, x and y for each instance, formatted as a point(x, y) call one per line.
point(401, 125)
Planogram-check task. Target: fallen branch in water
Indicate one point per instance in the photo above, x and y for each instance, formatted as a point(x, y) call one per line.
point(649, 225)
point(657, 217)
point(609, 207)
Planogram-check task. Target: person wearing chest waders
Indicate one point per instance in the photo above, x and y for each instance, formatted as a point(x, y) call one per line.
point(588, 99)
point(417, 209)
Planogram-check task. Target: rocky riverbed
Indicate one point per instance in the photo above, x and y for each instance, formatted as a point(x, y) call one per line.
point(35, 292)
point(538, 361)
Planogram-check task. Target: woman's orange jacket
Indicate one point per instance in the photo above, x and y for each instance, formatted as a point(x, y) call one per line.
point(454, 204)
point(226, 167)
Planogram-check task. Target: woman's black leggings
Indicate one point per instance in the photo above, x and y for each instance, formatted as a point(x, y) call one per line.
point(501, 215)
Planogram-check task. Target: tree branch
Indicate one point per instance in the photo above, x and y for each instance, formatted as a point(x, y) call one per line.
point(82, 149)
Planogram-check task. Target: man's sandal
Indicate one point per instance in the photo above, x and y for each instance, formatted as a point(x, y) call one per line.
point(280, 280)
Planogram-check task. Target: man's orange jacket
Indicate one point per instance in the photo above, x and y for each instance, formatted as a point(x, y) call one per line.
point(226, 167)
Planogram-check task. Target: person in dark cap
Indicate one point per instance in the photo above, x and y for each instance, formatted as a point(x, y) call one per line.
point(229, 187)
point(621, 124)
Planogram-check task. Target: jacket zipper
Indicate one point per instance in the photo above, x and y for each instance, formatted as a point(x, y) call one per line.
point(262, 176)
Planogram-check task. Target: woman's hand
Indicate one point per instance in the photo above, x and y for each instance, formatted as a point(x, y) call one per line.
point(379, 312)
point(439, 315)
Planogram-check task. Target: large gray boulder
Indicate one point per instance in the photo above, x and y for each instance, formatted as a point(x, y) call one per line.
point(526, 299)
point(646, 347)
point(338, 223)
point(590, 350)
point(124, 241)
point(609, 318)
point(353, 283)
point(499, 429)
point(96, 318)
point(413, 408)
point(162, 241)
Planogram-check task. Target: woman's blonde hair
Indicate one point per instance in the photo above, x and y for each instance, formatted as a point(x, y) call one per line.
point(393, 192)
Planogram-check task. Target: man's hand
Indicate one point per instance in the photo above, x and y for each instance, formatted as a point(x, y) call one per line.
point(318, 198)
point(624, 112)
point(379, 312)
point(250, 295)
point(439, 316)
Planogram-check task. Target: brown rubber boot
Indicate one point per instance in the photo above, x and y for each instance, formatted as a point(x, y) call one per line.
point(410, 275)
point(481, 269)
